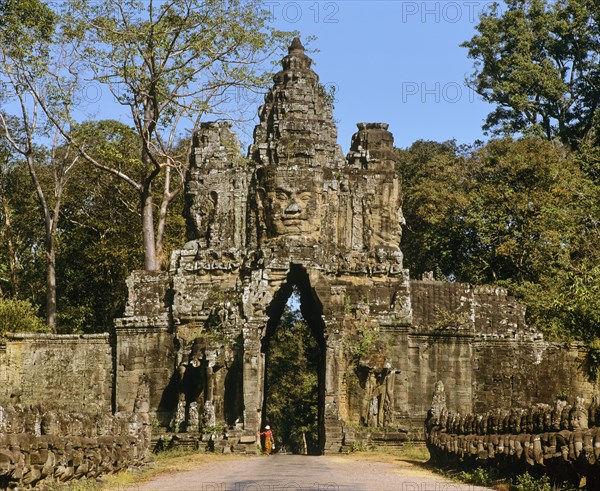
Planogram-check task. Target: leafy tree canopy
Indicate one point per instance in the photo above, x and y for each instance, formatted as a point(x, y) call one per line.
point(539, 62)
point(24, 24)
point(518, 213)
point(19, 316)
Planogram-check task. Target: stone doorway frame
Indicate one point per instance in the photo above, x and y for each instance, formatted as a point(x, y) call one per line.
point(311, 310)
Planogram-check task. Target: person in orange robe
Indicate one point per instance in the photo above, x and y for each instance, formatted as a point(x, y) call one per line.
point(269, 440)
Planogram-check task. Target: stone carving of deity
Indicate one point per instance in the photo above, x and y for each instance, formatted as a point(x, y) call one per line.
point(291, 201)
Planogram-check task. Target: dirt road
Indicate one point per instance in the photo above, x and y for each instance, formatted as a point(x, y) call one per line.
point(300, 473)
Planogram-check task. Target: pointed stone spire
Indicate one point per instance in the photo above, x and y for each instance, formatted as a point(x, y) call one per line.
point(296, 58)
point(296, 123)
point(296, 45)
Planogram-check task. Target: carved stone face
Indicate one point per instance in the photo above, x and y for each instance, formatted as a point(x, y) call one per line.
point(291, 201)
point(579, 420)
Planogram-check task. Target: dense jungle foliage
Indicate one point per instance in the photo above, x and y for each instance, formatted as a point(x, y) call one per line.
point(522, 214)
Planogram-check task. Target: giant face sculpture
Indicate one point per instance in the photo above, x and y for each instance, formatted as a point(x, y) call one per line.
point(291, 200)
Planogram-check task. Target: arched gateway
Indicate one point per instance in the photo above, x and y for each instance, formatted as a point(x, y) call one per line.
point(301, 215)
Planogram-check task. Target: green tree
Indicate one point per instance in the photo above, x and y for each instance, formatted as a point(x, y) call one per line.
point(516, 213)
point(25, 65)
point(100, 236)
point(538, 62)
point(432, 237)
point(8, 274)
point(57, 163)
point(19, 316)
point(100, 242)
point(506, 211)
point(21, 232)
point(588, 158)
point(26, 28)
point(527, 208)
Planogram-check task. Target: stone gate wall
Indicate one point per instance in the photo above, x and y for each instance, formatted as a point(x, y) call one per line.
point(482, 374)
point(296, 214)
point(474, 339)
point(71, 372)
point(75, 373)
point(56, 411)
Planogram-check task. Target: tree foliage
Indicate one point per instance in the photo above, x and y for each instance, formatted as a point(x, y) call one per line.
point(534, 211)
point(292, 397)
point(25, 37)
point(538, 62)
point(169, 64)
point(21, 232)
point(19, 316)
point(98, 241)
point(518, 213)
point(100, 237)
point(26, 27)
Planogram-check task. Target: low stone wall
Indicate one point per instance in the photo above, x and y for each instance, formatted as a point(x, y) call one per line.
point(38, 446)
point(73, 372)
point(224, 442)
point(359, 438)
point(562, 441)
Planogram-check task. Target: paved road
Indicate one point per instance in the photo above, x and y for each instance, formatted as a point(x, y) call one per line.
point(300, 473)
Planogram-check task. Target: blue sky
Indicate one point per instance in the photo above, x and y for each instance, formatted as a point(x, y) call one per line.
point(394, 61)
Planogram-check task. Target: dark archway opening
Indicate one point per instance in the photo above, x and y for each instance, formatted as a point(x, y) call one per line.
point(294, 382)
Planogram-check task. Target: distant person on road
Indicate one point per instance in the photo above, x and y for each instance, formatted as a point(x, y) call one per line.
point(269, 440)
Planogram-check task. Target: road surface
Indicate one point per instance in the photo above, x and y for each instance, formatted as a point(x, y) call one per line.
point(302, 473)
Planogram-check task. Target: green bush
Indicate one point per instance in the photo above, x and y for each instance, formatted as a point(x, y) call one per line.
point(19, 316)
point(85, 484)
point(479, 475)
point(526, 482)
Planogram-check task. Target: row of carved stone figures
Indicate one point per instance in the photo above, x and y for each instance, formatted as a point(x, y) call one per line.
point(560, 440)
point(38, 447)
point(33, 420)
point(538, 418)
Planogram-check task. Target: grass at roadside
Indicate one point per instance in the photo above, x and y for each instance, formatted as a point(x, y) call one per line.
point(167, 462)
point(491, 478)
point(410, 452)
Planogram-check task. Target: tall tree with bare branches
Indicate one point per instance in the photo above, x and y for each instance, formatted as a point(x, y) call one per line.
point(168, 64)
point(25, 62)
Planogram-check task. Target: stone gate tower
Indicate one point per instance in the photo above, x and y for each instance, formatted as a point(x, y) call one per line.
point(297, 214)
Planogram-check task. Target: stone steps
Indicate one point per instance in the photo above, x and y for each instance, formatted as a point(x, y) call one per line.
point(363, 438)
point(231, 441)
